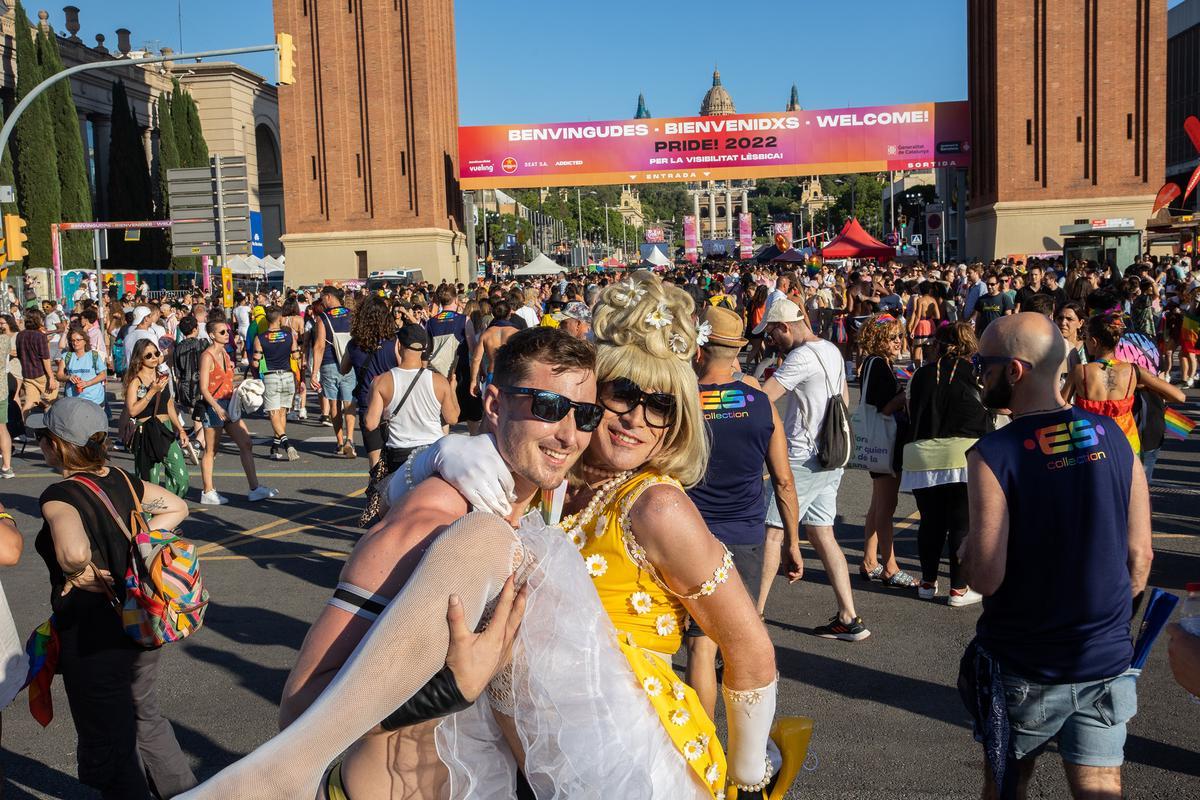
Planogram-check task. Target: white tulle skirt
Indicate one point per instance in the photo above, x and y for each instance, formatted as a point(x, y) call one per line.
point(586, 726)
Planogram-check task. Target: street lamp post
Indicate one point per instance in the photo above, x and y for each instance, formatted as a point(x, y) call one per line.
point(607, 240)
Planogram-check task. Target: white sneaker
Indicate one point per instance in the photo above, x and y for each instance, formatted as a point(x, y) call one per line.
point(213, 499)
point(292, 455)
point(7, 472)
point(261, 493)
point(967, 598)
point(303, 413)
point(927, 591)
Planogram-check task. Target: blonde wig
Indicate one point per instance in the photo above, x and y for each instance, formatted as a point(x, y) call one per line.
point(875, 333)
point(644, 331)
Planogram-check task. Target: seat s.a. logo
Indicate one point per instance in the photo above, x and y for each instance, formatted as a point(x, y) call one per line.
point(1069, 444)
point(721, 404)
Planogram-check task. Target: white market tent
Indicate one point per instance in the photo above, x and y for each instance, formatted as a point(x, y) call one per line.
point(542, 265)
point(657, 258)
point(253, 267)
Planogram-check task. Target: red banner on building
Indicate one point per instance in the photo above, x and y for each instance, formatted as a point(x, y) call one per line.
point(690, 242)
point(745, 237)
point(654, 235)
point(873, 139)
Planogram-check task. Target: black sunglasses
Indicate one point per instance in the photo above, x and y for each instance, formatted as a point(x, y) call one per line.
point(622, 395)
point(981, 363)
point(552, 407)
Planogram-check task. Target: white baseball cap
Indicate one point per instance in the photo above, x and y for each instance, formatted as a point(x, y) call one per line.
point(782, 310)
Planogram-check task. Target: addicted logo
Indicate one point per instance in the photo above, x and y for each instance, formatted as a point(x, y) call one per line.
point(1068, 440)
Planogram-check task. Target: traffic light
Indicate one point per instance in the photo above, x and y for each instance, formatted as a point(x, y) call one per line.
point(285, 59)
point(14, 238)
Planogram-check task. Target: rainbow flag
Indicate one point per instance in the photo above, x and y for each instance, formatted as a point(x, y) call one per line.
point(902, 373)
point(1189, 339)
point(1177, 425)
point(42, 649)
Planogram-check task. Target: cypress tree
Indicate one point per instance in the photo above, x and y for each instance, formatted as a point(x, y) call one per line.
point(33, 151)
point(168, 159)
point(130, 192)
point(7, 179)
point(76, 194)
point(183, 134)
point(195, 133)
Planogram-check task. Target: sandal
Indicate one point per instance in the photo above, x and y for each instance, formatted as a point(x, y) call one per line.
point(871, 575)
point(901, 580)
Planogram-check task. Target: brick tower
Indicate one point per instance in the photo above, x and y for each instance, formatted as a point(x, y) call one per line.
point(1067, 115)
point(370, 140)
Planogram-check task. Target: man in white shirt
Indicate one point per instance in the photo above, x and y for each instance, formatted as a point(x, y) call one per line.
point(780, 292)
point(811, 374)
point(529, 312)
point(142, 328)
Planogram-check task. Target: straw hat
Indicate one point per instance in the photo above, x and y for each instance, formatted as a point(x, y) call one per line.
point(724, 327)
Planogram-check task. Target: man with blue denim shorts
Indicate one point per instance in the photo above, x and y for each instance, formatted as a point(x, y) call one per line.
point(1059, 545)
point(327, 377)
point(811, 374)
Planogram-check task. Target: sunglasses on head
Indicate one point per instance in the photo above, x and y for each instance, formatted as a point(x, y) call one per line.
point(622, 395)
point(552, 407)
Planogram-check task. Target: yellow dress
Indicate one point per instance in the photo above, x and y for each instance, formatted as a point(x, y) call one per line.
point(649, 619)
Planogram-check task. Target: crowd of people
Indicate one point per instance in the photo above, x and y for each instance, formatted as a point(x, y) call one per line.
point(635, 415)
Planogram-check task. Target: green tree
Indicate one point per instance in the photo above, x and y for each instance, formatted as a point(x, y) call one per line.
point(130, 192)
point(199, 153)
point(177, 109)
point(168, 159)
point(75, 191)
point(33, 151)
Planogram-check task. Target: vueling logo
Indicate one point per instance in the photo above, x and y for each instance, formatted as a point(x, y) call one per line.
point(1065, 437)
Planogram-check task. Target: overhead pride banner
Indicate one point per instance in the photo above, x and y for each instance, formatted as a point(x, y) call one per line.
point(873, 139)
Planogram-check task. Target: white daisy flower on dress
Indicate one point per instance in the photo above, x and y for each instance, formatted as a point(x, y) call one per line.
point(678, 690)
point(578, 538)
point(596, 565)
point(680, 716)
point(652, 686)
point(703, 739)
point(640, 602)
point(660, 317)
point(712, 774)
point(692, 750)
point(665, 624)
point(719, 796)
point(702, 333)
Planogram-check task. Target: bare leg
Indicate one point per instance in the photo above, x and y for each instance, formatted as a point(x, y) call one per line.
point(836, 568)
point(279, 421)
point(884, 492)
point(241, 437)
point(1093, 783)
point(701, 672)
point(350, 414)
point(5, 448)
point(771, 559)
point(212, 437)
point(1024, 773)
point(338, 408)
point(870, 537)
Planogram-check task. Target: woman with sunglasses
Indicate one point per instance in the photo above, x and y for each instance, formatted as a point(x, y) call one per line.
point(216, 386)
point(152, 421)
point(111, 683)
point(881, 341)
point(653, 561)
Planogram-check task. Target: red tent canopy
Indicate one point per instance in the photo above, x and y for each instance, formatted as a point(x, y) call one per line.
point(854, 242)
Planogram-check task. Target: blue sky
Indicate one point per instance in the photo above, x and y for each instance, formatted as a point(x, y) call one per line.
point(563, 60)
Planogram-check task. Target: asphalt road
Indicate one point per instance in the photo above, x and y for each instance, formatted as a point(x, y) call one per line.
point(888, 721)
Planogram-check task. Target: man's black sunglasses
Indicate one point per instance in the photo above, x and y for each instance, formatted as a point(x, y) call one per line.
point(552, 407)
point(622, 395)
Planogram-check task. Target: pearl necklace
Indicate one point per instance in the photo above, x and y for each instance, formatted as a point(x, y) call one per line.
point(575, 522)
point(596, 472)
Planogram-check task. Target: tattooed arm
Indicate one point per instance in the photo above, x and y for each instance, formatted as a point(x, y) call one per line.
point(166, 510)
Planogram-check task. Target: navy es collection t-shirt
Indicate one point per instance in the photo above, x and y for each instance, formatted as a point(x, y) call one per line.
point(730, 498)
point(1062, 612)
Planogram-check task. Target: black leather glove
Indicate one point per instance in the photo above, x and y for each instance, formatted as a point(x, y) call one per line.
point(439, 697)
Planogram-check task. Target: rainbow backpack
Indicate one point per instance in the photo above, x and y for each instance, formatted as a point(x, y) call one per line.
point(165, 598)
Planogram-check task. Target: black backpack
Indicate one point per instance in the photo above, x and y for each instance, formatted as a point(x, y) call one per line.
point(187, 373)
point(835, 441)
